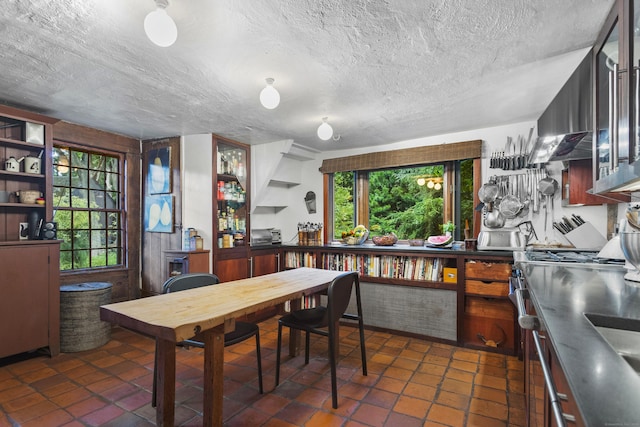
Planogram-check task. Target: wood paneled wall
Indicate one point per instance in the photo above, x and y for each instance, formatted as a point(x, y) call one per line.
point(126, 281)
point(154, 244)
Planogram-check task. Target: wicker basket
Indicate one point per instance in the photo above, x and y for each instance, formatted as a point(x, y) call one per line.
point(80, 325)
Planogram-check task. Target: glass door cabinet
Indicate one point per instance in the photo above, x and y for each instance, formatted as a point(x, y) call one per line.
point(231, 198)
point(617, 100)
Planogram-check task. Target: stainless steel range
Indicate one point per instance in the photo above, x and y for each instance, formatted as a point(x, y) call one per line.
point(540, 388)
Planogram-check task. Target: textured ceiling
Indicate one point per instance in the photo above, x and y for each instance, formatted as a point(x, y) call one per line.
point(382, 71)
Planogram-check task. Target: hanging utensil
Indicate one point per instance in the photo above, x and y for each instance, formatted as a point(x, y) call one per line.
point(507, 150)
point(547, 186)
point(527, 147)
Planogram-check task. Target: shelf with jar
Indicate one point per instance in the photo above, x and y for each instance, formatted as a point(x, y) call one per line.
point(25, 170)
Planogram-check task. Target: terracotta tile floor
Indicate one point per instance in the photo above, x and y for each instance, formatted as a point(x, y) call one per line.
point(411, 382)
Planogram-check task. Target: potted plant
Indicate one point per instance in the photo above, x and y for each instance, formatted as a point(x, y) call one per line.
point(448, 228)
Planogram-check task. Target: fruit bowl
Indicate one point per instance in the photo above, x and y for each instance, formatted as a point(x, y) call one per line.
point(386, 240)
point(416, 242)
point(353, 240)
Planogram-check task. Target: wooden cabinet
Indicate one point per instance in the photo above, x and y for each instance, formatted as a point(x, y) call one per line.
point(231, 165)
point(570, 410)
point(577, 179)
point(29, 297)
point(264, 261)
point(27, 138)
point(489, 318)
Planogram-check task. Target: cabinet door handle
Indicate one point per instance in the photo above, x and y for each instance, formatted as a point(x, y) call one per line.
point(613, 118)
point(634, 141)
point(278, 262)
point(548, 380)
point(250, 266)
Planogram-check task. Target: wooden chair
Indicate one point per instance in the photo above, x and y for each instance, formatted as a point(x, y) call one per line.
point(324, 321)
point(243, 331)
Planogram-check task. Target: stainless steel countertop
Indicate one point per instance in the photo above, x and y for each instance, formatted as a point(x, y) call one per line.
point(604, 386)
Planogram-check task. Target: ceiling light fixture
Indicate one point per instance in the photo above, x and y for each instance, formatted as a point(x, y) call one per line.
point(269, 96)
point(159, 26)
point(325, 131)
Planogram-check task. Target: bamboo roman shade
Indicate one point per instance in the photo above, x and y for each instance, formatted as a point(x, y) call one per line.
point(404, 157)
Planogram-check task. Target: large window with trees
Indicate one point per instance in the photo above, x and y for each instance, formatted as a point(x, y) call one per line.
point(410, 192)
point(88, 208)
point(409, 201)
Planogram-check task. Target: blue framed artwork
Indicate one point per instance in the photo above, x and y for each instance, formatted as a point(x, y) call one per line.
point(159, 171)
point(158, 213)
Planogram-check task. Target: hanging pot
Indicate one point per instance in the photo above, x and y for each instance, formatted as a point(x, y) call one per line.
point(488, 192)
point(510, 206)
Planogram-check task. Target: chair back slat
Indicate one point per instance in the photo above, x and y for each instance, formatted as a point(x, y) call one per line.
point(339, 294)
point(189, 281)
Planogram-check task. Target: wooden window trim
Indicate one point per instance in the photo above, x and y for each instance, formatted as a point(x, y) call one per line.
point(404, 157)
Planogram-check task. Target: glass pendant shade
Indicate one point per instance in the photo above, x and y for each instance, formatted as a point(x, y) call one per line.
point(269, 96)
point(325, 131)
point(160, 28)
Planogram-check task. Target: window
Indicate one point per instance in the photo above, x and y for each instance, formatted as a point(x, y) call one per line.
point(413, 202)
point(87, 195)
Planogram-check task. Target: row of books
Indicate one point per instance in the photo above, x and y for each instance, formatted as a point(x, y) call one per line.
point(306, 301)
point(384, 266)
point(300, 259)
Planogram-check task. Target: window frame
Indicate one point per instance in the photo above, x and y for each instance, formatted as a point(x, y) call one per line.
point(121, 210)
point(452, 153)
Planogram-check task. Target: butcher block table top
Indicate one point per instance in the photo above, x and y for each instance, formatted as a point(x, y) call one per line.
point(211, 310)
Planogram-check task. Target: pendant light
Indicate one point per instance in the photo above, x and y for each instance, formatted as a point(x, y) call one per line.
point(269, 96)
point(159, 26)
point(325, 131)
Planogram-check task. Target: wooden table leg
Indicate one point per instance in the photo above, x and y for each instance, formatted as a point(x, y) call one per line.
point(294, 336)
point(213, 376)
point(166, 382)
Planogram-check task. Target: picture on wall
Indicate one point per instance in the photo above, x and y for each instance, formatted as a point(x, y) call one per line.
point(158, 213)
point(159, 171)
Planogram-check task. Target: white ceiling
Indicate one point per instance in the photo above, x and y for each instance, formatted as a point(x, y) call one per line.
point(382, 71)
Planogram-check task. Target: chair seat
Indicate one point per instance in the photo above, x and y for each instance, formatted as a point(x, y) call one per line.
point(243, 331)
point(312, 317)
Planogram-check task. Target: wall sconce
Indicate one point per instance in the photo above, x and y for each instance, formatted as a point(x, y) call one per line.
point(325, 131)
point(269, 96)
point(159, 26)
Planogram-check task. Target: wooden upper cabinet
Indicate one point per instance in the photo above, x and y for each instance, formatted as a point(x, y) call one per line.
point(577, 180)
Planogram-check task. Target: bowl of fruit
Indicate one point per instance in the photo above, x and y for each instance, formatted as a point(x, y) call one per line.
point(355, 236)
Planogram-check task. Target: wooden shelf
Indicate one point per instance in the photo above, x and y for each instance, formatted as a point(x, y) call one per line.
point(22, 144)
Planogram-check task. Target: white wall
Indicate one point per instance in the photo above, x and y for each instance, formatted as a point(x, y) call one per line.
point(494, 139)
point(197, 197)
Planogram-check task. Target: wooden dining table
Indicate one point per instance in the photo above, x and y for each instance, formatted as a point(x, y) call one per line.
point(211, 312)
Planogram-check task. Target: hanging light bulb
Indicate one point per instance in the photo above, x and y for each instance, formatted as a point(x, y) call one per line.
point(421, 182)
point(325, 131)
point(159, 26)
point(438, 186)
point(430, 184)
point(269, 96)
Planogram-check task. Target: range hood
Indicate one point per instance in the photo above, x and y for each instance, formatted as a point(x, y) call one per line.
point(565, 129)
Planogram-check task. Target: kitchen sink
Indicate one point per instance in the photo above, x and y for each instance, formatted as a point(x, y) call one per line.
point(622, 334)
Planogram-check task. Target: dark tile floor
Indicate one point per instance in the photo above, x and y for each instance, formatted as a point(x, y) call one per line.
point(411, 382)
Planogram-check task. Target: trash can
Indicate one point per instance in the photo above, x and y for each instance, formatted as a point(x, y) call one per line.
point(80, 325)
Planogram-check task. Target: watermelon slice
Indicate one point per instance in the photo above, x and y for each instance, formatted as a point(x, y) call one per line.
point(439, 240)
